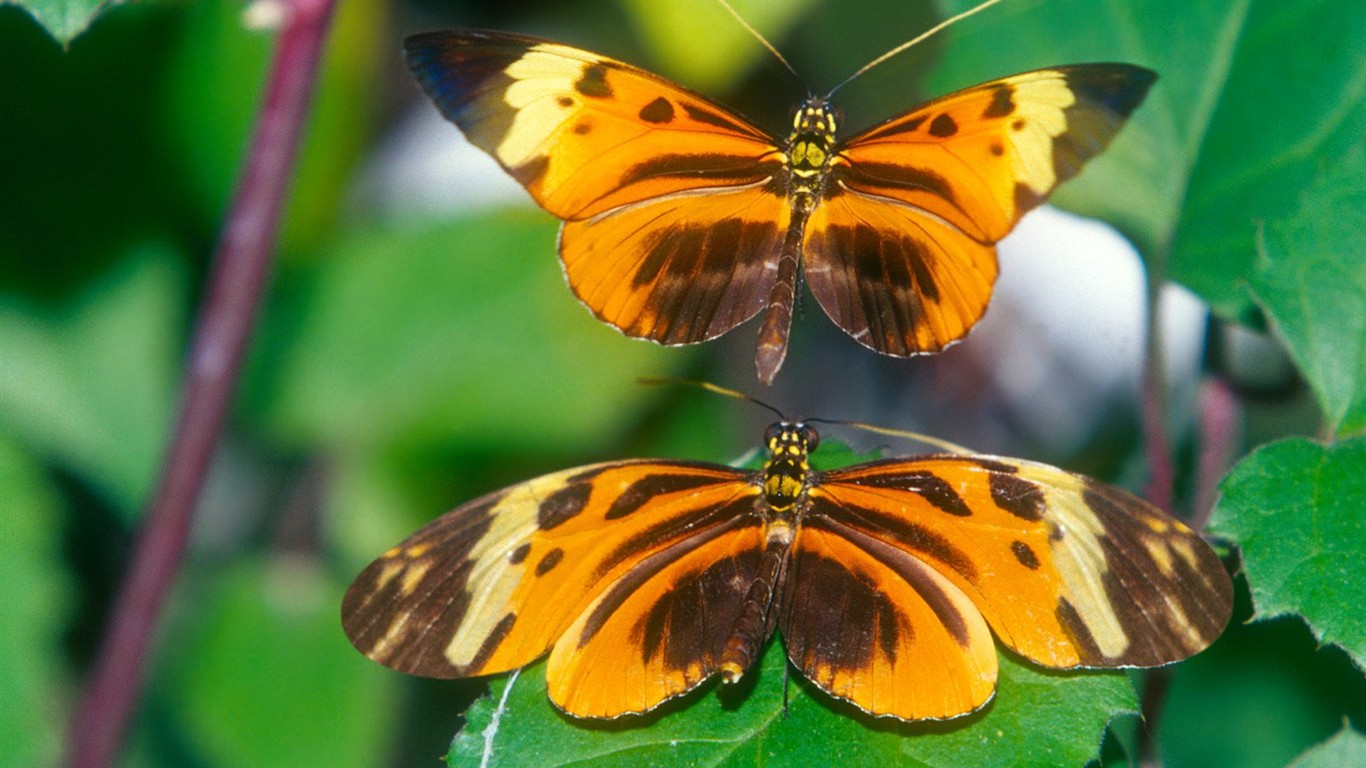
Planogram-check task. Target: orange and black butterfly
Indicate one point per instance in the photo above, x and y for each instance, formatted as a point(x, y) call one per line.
point(644, 578)
point(683, 219)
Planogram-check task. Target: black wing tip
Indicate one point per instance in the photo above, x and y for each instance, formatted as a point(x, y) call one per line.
point(1119, 87)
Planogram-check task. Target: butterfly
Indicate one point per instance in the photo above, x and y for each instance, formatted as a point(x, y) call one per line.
point(683, 219)
point(886, 580)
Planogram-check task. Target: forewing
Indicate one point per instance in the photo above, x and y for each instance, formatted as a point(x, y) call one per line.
point(873, 625)
point(679, 269)
point(582, 132)
point(491, 585)
point(1068, 572)
point(901, 250)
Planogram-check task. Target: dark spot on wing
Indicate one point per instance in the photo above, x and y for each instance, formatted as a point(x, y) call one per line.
point(657, 111)
point(582, 127)
point(593, 82)
point(1019, 497)
point(551, 559)
point(1025, 555)
point(943, 126)
point(997, 149)
point(562, 505)
point(565, 101)
point(516, 556)
point(1002, 102)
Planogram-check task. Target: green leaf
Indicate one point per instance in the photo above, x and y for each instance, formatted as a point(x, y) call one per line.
point(1279, 118)
point(91, 386)
point(216, 78)
point(64, 19)
point(1295, 509)
point(32, 614)
point(261, 675)
point(1348, 747)
point(1037, 718)
point(463, 330)
point(1240, 123)
point(1311, 280)
point(702, 45)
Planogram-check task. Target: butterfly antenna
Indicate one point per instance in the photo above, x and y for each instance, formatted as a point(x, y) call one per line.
point(762, 40)
point(917, 436)
point(936, 28)
point(655, 381)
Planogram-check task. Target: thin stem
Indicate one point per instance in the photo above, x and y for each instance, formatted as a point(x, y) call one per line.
point(1218, 433)
point(242, 264)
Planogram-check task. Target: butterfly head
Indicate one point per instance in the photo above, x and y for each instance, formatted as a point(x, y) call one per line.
point(786, 472)
point(810, 148)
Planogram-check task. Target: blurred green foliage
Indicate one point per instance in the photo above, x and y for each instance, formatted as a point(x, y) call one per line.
point(406, 364)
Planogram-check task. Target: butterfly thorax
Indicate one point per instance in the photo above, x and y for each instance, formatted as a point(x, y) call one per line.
point(786, 473)
point(810, 150)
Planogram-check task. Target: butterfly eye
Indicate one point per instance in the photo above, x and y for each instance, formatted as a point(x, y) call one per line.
point(810, 437)
point(774, 432)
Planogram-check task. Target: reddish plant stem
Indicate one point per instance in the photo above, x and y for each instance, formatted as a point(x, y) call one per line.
point(1218, 433)
point(241, 268)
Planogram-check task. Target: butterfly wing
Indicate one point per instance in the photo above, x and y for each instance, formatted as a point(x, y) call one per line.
point(671, 206)
point(901, 251)
point(872, 624)
point(1068, 572)
point(493, 584)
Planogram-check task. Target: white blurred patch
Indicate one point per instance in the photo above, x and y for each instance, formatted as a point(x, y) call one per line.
point(1064, 338)
point(425, 167)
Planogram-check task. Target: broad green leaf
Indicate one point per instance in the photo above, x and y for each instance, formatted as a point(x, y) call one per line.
point(1295, 508)
point(1262, 694)
point(261, 675)
point(1348, 747)
point(1037, 718)
point(217, 75)
point(1311, 280)
point(463, 330)
point(64, 19)
point(91, 385)
point(32, 614)
point(702, 45)
point(1239, 125)
point(1280, 118)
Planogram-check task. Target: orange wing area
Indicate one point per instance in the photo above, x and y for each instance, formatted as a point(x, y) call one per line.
point(660, 629)
point(491, 585)
point(1067, 571)
point(875, 626)
point(582, 132)
point(897, 281)
point(679, 269)
point(900, 252)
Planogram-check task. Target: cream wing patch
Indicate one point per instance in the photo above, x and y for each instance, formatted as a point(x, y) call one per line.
point(1041, 116)
point(543, 96)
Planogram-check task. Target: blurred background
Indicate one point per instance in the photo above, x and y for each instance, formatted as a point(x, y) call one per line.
point(419, 347)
